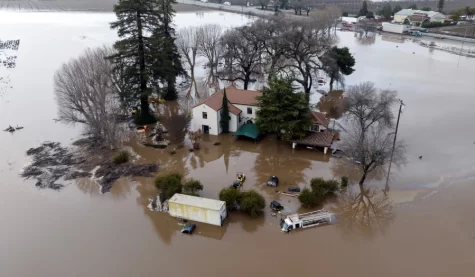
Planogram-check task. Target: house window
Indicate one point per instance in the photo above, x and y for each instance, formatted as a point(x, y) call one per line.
point(249, 110)
point(205, 115)
point(315, 128)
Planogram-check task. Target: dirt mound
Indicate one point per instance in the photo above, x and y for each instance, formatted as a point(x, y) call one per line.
point(53, 164)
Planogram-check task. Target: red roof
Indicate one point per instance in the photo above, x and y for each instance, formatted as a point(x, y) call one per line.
point(319, 118)
point(235, 96)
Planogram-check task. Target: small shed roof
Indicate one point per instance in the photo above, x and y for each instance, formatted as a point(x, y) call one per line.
point(194, 201)
point(320, 139)
point(248, 130)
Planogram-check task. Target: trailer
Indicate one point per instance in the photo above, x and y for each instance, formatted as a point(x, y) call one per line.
point(198, 209)
point(311, 219)
point(395, 28)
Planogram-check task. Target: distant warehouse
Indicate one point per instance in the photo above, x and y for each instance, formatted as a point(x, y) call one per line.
point(197, 209)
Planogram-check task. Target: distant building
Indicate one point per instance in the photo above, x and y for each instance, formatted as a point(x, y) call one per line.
point(409, 16)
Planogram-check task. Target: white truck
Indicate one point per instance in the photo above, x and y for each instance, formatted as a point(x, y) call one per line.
point(395, 28)
point(306, 220)
point(199, 209)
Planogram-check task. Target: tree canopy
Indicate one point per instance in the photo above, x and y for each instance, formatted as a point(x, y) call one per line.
point(386, 11)
point(440, 5)
point(340, 62)
point(283, 112)
point(397, 9)
point(364, 9)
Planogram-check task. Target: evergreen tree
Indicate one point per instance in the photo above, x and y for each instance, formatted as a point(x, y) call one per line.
point(386, 11)
point(225, 114)
point(364, 9)
point(283, 112)
point(169, 64)
point(440, 5)
point(397, 9)
point(412, 6)
point(135, 56)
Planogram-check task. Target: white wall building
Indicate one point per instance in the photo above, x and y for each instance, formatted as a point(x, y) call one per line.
point(242, 105)
point(417, 16)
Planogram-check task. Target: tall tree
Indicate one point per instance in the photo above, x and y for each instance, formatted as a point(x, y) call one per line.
point(397, 9)
point(209, 47)
point(366, 107)
point(413, 6)
point(338, 61)
point(283, 112)
point(305, 44)
point(364, 9)
point(136, 49)
point(242, 52)
point(187, 43)
point(440, 5)
point(224, 122)
point(169, 64)
point(386, 11)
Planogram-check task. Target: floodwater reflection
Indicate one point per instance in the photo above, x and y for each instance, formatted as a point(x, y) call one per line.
point(367, 212)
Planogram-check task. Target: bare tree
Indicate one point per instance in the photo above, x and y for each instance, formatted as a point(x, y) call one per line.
point(187, 43)
point(242, 52)
point(373, 149)
point(305, 44)
point(209, 45)
point(366, 107)
point(270, 32)
point(86, 92)
point(176, 120)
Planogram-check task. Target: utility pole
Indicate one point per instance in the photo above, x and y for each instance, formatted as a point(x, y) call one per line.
point(401, 104)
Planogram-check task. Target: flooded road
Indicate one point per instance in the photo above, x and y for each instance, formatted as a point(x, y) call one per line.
point(80, 232)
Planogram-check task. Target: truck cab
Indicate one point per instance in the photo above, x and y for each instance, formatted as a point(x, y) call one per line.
point(306, 220)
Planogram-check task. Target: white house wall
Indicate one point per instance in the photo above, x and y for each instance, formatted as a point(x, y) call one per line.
point(244, 116)
point(211, 121)
point(233, 122)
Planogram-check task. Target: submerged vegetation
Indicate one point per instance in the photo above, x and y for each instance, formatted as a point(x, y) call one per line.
point(249, 202)
point(172, 183)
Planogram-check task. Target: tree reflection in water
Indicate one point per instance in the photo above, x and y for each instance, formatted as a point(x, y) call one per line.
point(367, 212)
point(120, 190)
point(368, 39)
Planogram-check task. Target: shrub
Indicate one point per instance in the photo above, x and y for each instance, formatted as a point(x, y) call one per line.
point(308, 198)
point(344, 182)
point(252, 203)
point(435, 24)
point(121, 157)
point(324, 187)
point(192, 186)
point(169, 184)
point(231, 196)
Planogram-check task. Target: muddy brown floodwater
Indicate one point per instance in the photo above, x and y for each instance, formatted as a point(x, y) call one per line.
point(425, 228)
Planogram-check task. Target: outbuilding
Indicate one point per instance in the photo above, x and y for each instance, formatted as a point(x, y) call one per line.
point(198, 209)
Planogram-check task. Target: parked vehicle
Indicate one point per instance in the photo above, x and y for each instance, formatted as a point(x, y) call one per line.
point(198, 209)
point(227, 3)
point(273, 181)
point(306, 220)
point(275, 206)
point(415, 33)
point(294, 189)
point(394, 28)
point(188, 228)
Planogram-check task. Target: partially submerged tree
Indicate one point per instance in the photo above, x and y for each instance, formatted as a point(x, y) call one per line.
point(319, 190)
point(283, 112)
point(172, 183)
point(339, 62)
point(192, 187)
point(86, 92)
point(242, 53)
point(252, 203)
point(187, 44)
point(365, 107)
point(209, 46)
point(372, 149)
point(168, 65)
point(136, 23)
point(305, 43)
